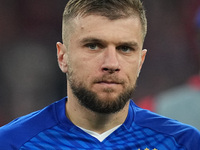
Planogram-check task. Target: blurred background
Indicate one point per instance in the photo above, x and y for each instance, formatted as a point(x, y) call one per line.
point(30, 78)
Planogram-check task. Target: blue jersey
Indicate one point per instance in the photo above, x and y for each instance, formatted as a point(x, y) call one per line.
point(50, 129)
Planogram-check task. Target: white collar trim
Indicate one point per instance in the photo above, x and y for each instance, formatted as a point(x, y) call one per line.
point(102, 136)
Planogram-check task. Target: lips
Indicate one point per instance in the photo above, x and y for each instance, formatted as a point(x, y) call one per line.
point(109, 82)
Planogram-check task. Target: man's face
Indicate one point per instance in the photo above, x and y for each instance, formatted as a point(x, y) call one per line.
point(104, 59)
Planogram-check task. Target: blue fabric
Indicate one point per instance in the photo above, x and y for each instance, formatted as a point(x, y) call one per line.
point(50, 129)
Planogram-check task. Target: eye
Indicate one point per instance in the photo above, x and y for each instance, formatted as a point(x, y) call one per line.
point(92, 46)
point(125, 49)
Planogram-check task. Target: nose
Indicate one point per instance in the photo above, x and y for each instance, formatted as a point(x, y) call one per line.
point(110, 61)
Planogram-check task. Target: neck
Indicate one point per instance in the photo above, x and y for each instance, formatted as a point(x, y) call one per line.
point(97, 122)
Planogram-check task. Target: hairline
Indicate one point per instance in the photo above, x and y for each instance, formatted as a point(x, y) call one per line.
point(70, 21)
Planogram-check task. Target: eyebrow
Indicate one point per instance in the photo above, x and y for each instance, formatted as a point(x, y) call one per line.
point(130, 44)
point(96, 40)
point(91, 40)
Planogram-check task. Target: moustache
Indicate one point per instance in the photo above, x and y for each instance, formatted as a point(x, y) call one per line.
point(109, 79)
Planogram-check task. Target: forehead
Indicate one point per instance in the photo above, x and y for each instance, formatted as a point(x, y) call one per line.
point(104, 28)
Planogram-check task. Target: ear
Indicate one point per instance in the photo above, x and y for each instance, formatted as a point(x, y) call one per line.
point(143, 55)
point(62, 56)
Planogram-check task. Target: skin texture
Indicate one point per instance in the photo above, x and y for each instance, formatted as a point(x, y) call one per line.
point(105, 57)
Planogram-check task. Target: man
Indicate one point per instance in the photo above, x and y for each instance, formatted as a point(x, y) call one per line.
point(102, 56)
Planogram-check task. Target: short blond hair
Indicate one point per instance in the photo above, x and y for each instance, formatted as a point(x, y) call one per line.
point(112, 9)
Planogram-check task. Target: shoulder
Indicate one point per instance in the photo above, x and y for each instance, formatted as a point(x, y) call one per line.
point(183, 134)
point(20, 130)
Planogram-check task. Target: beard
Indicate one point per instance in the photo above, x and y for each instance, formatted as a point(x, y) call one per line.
point(93, 102)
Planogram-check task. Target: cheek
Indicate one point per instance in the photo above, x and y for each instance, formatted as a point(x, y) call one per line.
point(133, 75)
point(83, 69)
point(132, 71)
point(132, 66)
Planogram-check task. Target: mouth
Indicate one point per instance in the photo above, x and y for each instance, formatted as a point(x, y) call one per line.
point(109, 85)
point(108, 82)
